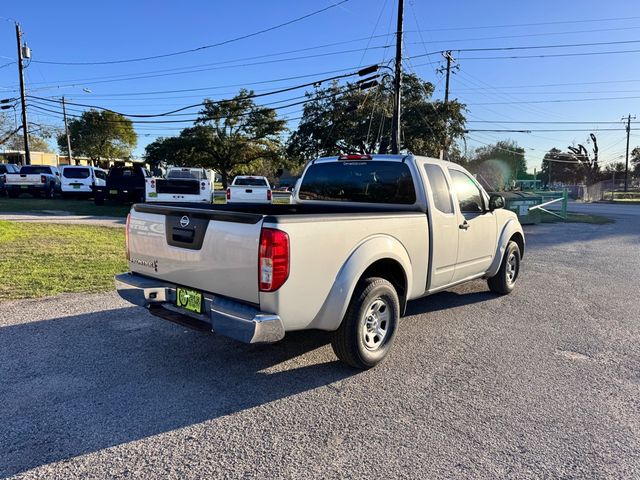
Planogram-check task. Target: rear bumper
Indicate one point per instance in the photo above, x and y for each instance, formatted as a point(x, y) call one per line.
point(72, 189)
point(38, 187)
point(221, 315)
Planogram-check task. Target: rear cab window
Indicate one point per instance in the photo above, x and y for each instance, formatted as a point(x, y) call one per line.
point(76, 173)
point(250, 182)
point(186, 173)
point(373, 181)
point(439, 188)
point(36, 170)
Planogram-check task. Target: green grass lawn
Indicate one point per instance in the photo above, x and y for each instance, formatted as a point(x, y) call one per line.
point(576, 218)
point(43, 259)
point(26, 204)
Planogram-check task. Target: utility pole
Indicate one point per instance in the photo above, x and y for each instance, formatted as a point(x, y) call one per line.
point(450, 60)
point(626, 166)
point(25, 129)
point(66, 129)
point(397, 84)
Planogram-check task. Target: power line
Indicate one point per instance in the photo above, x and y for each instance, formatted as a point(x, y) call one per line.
point(209, 67)
point(188, 107)
point(203, 47)
point(514, 25)
point(556, 100)
point(545, 122)
point(542, 130)
point(534, 47)
point(554, 55)
point(38, 106)
point(201, 89)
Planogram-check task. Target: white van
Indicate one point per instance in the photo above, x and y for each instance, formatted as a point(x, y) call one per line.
point(79, 179)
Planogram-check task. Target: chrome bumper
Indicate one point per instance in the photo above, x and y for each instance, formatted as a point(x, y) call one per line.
point(224, 316)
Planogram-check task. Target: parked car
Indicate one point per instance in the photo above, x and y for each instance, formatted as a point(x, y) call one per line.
point(181, 184)
point(123, 184)
point(78, 180)
point(4, 169)
point(249, 189)
point(36, 180)
point(366, 234)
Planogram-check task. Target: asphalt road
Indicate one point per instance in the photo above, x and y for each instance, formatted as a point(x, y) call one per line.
point(544, 383)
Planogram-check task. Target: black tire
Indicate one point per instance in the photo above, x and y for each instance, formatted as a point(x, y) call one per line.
point(98, 199)
point(504, 281)
point(13, 193)
point(354, 342)
point(50, 192)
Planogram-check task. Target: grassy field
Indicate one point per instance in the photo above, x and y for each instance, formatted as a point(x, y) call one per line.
point(42, 259)
point(576, 218)
point(27, 204)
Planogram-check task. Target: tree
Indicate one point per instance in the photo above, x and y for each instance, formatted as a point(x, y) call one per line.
point(499, 164)
point(635, 160)
point(560, 167)
point(345, 119)
point(231, 137)
point(100, 135)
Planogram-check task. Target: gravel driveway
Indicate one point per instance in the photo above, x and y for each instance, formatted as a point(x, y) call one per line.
point(544, 383)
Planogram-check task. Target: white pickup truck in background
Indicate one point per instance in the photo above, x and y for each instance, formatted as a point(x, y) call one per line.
point(181, 184)
point(36, 180)
point(249, 189)
point(365, 235)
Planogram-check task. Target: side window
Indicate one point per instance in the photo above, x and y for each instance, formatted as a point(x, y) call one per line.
point(100, 174)
point(469, 196)
point(439, 188)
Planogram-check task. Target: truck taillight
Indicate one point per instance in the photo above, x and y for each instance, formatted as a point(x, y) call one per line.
point(152, 183)
point(269, 195)
point(273, 259)
point(126, 235)
point(43, 179)
point(228, 194)
point(202, 185)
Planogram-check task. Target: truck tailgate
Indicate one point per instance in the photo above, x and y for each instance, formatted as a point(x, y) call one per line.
point(248, 194)
point(23, 179)
point(213, 251)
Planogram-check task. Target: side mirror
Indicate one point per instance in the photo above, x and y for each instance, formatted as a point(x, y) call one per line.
point(495, 201)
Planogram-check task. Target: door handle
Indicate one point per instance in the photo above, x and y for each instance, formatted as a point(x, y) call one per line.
point(464, 225)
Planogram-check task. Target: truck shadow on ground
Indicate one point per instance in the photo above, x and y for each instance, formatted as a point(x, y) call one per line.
point(83, 383)
point(450, 299)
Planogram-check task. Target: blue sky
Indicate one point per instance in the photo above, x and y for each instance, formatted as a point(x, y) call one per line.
point(562, 89)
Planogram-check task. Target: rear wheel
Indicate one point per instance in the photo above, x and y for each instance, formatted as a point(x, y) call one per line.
point(368, 328)
point(504, 281)
point(12, 193)
point(50, 192)
point(98, 199)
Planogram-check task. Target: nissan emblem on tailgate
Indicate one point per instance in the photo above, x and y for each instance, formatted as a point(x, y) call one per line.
point(184, 221)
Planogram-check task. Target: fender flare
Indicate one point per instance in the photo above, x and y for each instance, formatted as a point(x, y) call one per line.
point(510, 228)
point(365, 254)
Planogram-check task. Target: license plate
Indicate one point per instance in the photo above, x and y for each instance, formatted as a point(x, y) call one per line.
point(77, 187)
point(24, 186)
point(189, 299)
point(153, 194)
point(113, 192)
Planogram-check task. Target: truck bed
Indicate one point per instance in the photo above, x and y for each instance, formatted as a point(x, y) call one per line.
point(258, 211)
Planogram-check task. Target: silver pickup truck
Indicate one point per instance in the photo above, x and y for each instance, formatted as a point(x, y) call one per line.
point(365, 235)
